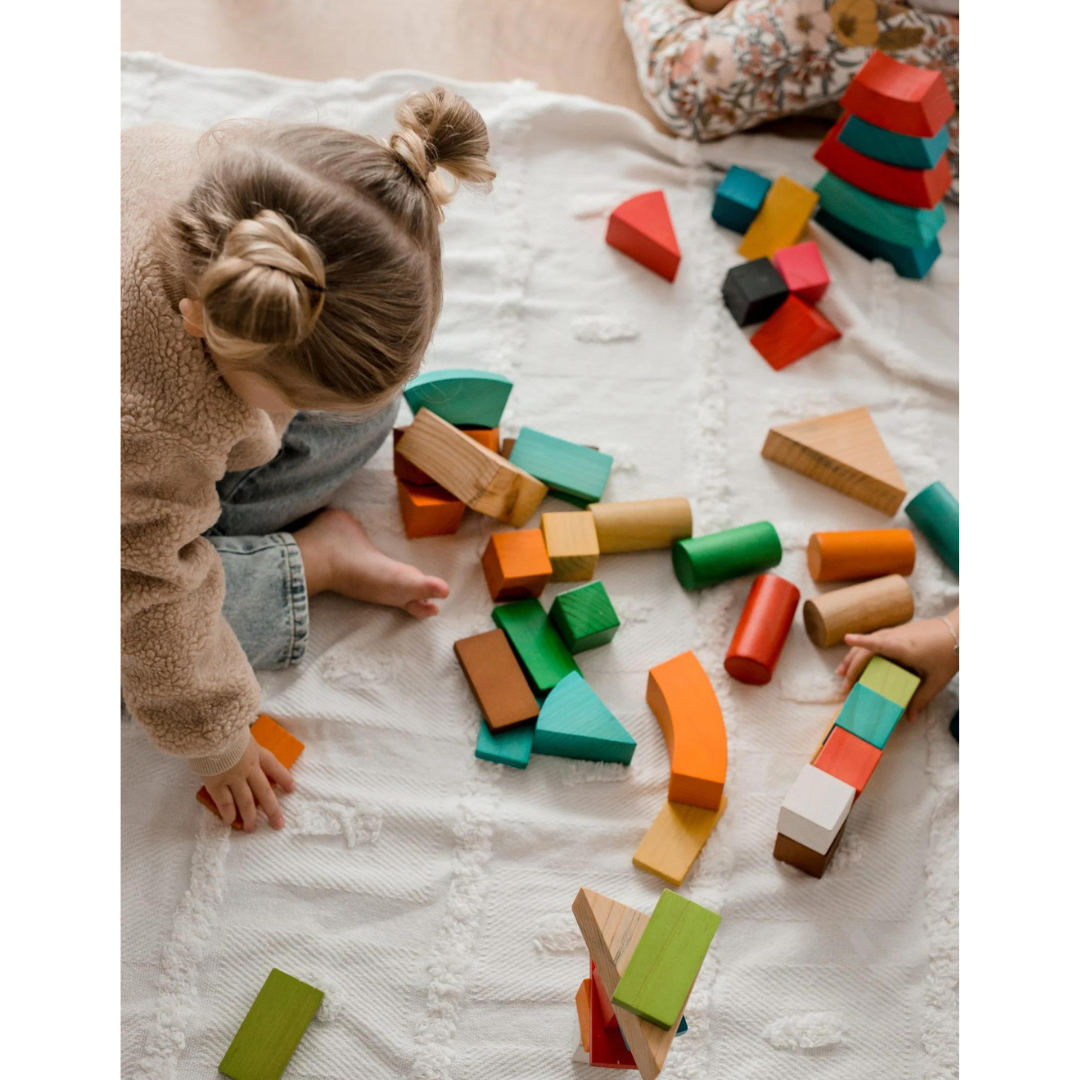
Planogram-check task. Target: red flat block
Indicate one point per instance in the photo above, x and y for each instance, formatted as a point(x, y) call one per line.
point(641, 228)
point(848, 758)
point(899, 97)
point(803, 270)
point(908, 187)
point(606, 1046)
point(795, 330)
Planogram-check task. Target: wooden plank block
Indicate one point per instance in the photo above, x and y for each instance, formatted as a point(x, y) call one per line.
point(909, 262)
point(752, 291)
point(815, 809)
point(843, 451)
point(781, 220)
point(642, 525)
point(572, 547)
point(575, 723)
point(607, 1048)
point(568, 468)
point(429, 510)
point(936, 512)
point(666, 961)
point(868, 715)
point(730, 553)
point(511, 746)
point(890, 680)
point(272, 1029)
point(611, 931)
point(738, 198)
point(535, 642)
point(584, 617)
point(802, 858)
point(686, 707)
point(407, 471)
point(906, 99)
point(496, 679)
point(461, 396)
point(516, 565)
point(860, 553)
point(848, 758)
point(641, 228)
point(763, 628)
point(908, 226)
point(795, 330)
point(482, 480)
point(803, 270)
point(675, 839)
point(906, 151)
point(858, 609)
point(582, 1000)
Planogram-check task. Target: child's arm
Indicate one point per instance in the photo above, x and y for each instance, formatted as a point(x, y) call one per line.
point(930, 647)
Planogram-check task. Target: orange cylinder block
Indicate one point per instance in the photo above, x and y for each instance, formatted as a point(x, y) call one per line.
point(855, 556)
point(762, 630)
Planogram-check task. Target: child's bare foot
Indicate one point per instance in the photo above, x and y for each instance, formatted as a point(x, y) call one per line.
point(339, 557)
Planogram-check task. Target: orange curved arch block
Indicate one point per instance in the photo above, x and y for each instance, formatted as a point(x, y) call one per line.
point(685, 704)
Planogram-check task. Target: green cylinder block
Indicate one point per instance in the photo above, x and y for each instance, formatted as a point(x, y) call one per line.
point(936, 512)
point(707, 560)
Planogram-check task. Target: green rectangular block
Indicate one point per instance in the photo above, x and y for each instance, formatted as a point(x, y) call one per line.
point(512, 746)
point(584, 617)
point(535, 642)
point(272, 1029)
point(869, 715)
point(575, 723)
point(890, 680)
point(906, 225)
point(662, 970)
point(576, 473)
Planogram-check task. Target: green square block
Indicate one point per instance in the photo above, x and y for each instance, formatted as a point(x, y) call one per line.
point(573, 472)
point(584, 617)
point(890, 680)
point(662, 970)
point(869, 715)
point(272, 1029)
point(575, 723)
point(536, 643)
point(461, 396)
point(512, 746)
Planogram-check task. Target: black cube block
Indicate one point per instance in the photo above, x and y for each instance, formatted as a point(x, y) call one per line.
point(753, 291)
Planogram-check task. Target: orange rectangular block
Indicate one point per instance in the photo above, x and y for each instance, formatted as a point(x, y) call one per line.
point(848, 758)
point(516, 565)
point(781, 220)
point(584, 1016)
point(793, 331)
point(429, 511)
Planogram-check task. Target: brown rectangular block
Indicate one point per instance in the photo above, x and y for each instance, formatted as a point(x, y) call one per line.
point(496, 679)
point(802, 858)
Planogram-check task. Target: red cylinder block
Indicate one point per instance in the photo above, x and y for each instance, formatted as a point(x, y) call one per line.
point(762, 630)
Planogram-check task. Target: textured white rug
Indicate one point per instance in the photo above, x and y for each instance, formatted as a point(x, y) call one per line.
point(428, 893)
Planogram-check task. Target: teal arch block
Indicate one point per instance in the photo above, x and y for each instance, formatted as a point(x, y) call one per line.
point(909, 262)
point(869, 716)
point(575, 723)
point(908, 226)
point(936, 512)
point(738, 198)
point(907, 151)
point(461, 396)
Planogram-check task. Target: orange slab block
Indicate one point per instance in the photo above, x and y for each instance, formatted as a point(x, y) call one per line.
point(429, 511)
point(686, 707)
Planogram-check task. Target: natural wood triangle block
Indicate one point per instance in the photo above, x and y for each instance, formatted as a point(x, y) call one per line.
point(641, 228)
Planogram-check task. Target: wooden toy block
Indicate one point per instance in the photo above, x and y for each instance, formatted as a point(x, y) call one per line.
point(859, 554)
point(572, 471)
point(909, 262)
point(482, 480)
point(641, 525)
point(611, 932)
point(721, 556)
point(406, 470)
point(429, 511)
point(582, 1000)
point(641, 228)
point(510, 746)
point(461, 396)
point(762, 630)
point(803, 270)
point(496, 679)
point(272, 1029)
point(607, 1048)
point(666, 961)
point(607, 1010)
point(781, 220)
point(858, 609)
point(488, 438)
point(516, 565)
point(936, 512)
point(738, 198)
point(675, 839)
point(580, 1056)
point(843, 451)
point(794, 331)
point(269, 734)
point(905, 99)
point(575, 723)
point(869, 716)
point(908, 226)
point(685, 705)
point(905, 151)
point(848, 758)
point(890, 680)
point(571, 543)
point(908, 187)
point(536, 643)
point(815, 809)
point(584, 617)
point(752, 291)
point(802, 858)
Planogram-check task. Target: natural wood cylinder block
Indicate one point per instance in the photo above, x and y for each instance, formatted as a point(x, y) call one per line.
point(762, 630)
point(858, 609)
point(642, 525)
point(863, 553)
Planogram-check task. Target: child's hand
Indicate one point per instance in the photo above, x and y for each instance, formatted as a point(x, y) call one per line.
point(248, 782)
point(925, 646)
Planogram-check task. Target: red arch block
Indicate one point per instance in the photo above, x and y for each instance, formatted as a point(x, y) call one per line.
point(899, 97)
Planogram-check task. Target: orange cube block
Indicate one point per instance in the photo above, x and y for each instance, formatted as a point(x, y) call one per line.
point(516, 564)
point(429, 511)
point(795, 330)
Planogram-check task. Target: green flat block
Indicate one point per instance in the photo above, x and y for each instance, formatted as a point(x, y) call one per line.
point(584, 617)
point(535, 642)
point(720, 556)
point(906, 225)
point(461, 396)
point(512, 746)
point(936, 513)
point(575, 723)
point(662, 970)
point(573, 472)
point(869, 715)
point(272, 1029)
point(890, 680)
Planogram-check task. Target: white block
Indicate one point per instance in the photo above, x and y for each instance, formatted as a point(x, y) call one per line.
point(815, 809)
point(581, 1055)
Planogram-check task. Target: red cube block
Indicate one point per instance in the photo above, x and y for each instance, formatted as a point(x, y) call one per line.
point(803, 271)
point(794, 331)
point(848, 758)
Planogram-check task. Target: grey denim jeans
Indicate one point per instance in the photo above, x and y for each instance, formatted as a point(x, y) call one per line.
point(266, 600)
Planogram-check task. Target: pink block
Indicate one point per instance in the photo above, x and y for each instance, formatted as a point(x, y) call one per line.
point(803, 271)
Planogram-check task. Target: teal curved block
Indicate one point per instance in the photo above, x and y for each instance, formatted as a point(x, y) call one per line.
point(936, 512)
point(461, 396)
point(907, 151)
point(909, 226)
point(909, 262)
point(575, 723)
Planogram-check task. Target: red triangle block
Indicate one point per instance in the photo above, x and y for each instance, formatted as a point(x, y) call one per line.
point(795, 330)
point(909, 187)
point(899, 97)
point(641, 228)
point(803, 270)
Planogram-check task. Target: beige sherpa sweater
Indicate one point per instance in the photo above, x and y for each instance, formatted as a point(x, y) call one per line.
point(184, 675)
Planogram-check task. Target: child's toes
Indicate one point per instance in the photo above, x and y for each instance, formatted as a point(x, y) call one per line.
point(435, 588)
point(421, 609)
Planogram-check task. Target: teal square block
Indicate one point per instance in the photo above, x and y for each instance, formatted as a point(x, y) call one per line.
point(738, 198)
point(869, 716)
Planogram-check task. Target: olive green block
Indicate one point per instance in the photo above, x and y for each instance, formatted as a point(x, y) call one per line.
point(461, 396)
point(576, 473)
point(890, 680)
point(584, 617)
point(869, 715)
point(720, 556)
point(511, 746)
point(535, 642)
point(575, 723)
